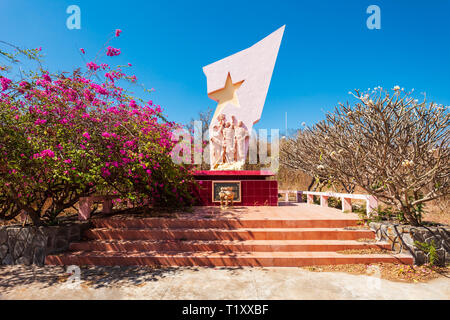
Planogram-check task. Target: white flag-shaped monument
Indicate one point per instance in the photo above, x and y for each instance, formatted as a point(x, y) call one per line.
point(239, 84)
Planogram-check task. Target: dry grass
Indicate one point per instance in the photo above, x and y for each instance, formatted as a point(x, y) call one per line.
point(389, 271)
point(366, 240)
point(292, 179)
point(8, 223)
point(438, 211)
point(360, 227)
point(366, 251)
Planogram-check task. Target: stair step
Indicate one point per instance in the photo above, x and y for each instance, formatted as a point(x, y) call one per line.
point(262, 259)
point(228, 234)
point(224, 245)
point(206, 223)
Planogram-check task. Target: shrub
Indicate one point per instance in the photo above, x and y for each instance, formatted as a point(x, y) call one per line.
point(66, 136)
point(429, 250)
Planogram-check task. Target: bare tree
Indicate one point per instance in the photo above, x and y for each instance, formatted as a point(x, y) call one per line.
point(388, 143)
point(205, 117)
point(301, 152)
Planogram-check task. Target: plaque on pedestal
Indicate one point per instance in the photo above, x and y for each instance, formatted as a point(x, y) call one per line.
point(255, 188)
point(235, 187)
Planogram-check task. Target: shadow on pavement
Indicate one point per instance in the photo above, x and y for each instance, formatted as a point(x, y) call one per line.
point(93, 276)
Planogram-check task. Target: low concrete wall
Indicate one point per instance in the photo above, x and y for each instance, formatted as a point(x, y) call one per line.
point(403, 238)
point(30, 245)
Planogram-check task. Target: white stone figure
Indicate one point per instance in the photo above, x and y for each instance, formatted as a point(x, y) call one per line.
point(234, 122)
point(217, 146)
point(228, 139)
point(241, 134)
point(221, 119)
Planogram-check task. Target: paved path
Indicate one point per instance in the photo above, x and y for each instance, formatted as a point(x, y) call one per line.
point(285, 211)
point(296, 211)
point(19, 282)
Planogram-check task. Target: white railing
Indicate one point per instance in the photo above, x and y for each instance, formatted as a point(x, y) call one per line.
point(298, 195)
point(346, 198)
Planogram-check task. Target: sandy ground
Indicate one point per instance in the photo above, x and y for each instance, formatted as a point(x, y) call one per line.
point(20, 282)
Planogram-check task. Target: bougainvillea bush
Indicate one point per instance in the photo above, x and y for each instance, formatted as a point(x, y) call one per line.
point(64, 136)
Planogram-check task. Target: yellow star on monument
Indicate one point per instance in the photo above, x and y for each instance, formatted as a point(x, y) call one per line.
point(226, 95)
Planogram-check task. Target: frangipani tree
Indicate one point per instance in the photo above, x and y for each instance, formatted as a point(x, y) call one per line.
point(388, 143)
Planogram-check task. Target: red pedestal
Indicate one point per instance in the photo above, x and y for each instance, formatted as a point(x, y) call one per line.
point(256, 189)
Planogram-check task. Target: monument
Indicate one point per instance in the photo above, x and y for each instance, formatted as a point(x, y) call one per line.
point(239, 85)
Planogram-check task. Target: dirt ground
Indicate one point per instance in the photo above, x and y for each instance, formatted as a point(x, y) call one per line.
point(390, 271)
point(438, 212)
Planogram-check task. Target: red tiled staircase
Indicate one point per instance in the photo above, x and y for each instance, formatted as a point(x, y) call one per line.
point(202, 241)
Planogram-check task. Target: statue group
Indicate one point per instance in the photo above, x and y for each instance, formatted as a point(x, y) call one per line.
point(228, 141)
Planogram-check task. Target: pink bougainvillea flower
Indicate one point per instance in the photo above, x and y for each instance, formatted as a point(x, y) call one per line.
point(92, 66)
point(46, 77)
point(118, 31)
point(40, 121)
point(100, 89)
point(112, 51)
point(110, 76)
point(133, 104)
point(105, 172)
point(86, 135)
point(23, 85)
point(47, 153)
point(5, 82)
point(82, 50)
point(89, 97)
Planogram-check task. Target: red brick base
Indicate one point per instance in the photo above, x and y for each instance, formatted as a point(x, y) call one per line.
point(256, 190)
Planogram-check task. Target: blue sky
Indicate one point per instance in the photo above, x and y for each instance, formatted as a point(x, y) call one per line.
point(327, 50)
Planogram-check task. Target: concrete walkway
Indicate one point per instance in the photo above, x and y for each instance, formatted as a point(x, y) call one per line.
point(19, 282)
